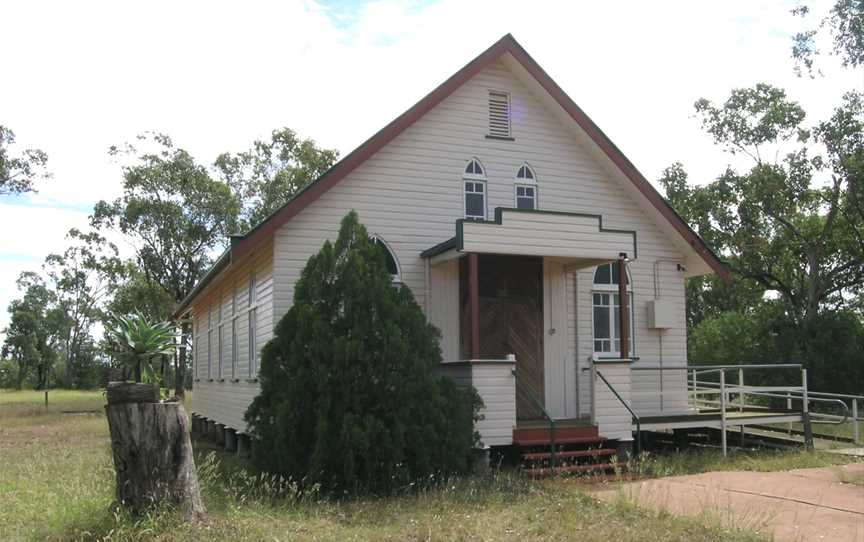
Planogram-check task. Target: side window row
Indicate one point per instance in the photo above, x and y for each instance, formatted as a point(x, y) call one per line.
point(474, 189)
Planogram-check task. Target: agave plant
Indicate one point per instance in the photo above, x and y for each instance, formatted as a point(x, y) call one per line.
point(136, 342)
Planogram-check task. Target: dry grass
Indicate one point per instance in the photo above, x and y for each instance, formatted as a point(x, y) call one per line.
point(56, 483)
point(698, 461)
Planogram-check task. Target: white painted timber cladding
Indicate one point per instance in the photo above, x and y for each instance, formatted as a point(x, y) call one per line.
point(444, 304)
point(538, 234)
point(410, 194)
point(496, 386)
point(612, 418)
point(226, 401)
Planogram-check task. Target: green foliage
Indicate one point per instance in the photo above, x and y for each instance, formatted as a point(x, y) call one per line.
point(791, 228)
point(82, 278)
point(176, 216)
point(830, 345)
point(751, 117)
point(272, 172)
point(19, 174)
point(348, 396)
point(58, 485)
point(135, 293)
point(136, 342)
point(173, 211)
point(36, 331)
point(780, 226)
point(845, 25)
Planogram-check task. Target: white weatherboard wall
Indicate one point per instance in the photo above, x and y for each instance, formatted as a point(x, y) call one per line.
point(546, 234)
point(410, 194)
point(496, 386)
point(444, 309)
point(612, 418)
point(220, 397)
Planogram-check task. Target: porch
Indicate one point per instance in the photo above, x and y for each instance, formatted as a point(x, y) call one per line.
point(499, 292)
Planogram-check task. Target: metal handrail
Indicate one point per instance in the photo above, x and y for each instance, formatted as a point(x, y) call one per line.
point(546, 414)
point(731, 388)
point(638, 446)
point(753, 366)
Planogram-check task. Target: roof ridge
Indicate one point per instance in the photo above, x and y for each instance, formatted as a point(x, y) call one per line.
point(240, 246)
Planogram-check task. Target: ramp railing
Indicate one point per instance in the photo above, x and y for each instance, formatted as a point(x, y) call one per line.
point(725, 396)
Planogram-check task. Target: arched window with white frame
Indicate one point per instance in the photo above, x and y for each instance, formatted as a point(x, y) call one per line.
point(606, 306)
point(525, 188)
point(389, 259)
point(474, 190)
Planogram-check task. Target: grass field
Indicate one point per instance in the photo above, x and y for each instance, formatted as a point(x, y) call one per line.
point(56, 483)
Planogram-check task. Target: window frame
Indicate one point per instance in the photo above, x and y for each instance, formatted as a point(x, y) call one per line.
point(252, 312)
point(220, 337)
point(525, 182)
point(397, 278)
point(516, 196)
point(234, 350)
point(612, 289)
point(210, 342)
point(477, 178)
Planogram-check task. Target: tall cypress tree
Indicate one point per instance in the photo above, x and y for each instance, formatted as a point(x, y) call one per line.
point(349, 398)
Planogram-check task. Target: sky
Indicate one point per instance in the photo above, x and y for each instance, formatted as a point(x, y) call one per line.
point(78, 77)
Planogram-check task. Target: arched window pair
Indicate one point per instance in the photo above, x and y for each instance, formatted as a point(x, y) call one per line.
point(606, 305)
point(475, 189)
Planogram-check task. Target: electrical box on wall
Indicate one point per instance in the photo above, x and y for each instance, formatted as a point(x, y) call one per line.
point(660, 314)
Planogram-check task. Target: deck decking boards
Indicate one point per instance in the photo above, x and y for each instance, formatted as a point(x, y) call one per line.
point(713, 419)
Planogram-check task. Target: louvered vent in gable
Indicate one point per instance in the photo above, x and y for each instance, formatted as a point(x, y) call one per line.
point(499, 114)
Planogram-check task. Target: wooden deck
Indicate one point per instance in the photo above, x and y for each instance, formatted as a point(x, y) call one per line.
point(713, 419)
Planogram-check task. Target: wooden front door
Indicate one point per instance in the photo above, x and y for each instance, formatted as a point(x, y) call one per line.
point(511, 322)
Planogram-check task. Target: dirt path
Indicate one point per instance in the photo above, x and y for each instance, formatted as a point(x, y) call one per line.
point(824, 504)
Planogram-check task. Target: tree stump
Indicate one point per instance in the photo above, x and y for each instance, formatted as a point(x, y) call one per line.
point(152, 450)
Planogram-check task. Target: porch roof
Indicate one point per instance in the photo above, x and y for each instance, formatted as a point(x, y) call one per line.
point(529, 232)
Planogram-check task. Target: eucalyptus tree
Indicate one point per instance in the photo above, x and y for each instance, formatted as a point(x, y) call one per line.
point(35, 332)
point(270, 173)
point(83, 279)
point(20, 172)
point(844, 26)
point(176, 216)
point(790, 221)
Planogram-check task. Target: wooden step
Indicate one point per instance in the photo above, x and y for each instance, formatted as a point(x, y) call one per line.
point(566, 454)
point(559, 440)
point(561, 433)
point(569, 469)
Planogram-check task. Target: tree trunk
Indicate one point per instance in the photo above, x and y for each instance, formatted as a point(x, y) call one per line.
point(180, 373)
point(152, 450)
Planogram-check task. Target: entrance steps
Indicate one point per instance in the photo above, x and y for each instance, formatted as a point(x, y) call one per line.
point(578, 449)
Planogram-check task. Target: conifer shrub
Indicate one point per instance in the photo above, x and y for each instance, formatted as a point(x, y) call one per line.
point(349, 399)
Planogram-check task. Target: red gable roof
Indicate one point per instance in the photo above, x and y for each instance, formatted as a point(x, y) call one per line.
point(242, 245)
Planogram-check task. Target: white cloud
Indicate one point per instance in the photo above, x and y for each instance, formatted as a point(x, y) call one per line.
point(79, 77)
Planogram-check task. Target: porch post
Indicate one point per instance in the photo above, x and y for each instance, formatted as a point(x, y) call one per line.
point(624, 312)
point(474, 304)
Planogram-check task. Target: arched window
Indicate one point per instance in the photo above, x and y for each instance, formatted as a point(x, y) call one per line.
point(525, 189)
point(606, 305)
point(389, 259)
point(474, 190)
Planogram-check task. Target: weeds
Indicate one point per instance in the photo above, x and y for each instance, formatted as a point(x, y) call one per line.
point(57, 483)
point(698, 461)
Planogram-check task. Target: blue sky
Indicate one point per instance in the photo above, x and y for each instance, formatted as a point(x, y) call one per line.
point(216, 75)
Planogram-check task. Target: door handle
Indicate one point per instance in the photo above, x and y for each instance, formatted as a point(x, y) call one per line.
point(552, 331)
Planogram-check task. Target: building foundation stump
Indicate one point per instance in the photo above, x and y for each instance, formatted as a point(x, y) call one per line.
point(625, 451)
point(230, 440)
